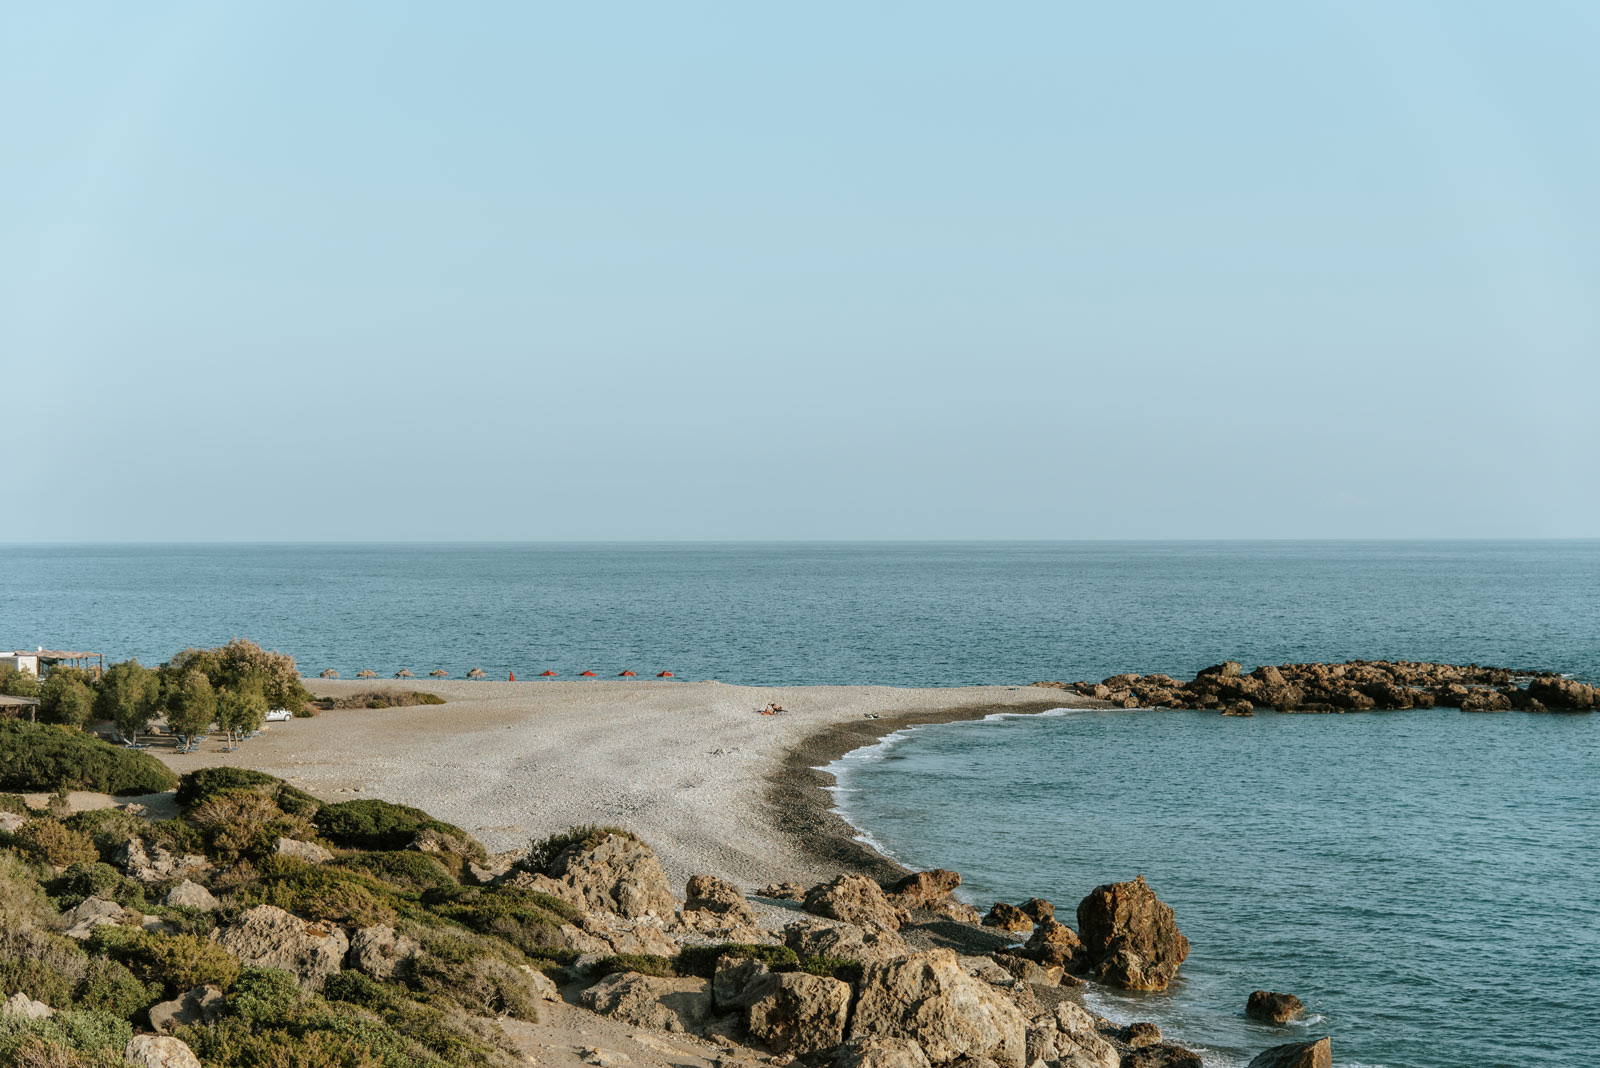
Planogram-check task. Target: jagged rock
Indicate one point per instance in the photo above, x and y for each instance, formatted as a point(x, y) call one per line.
point(1228, 670)
point(1318, 1054)
point(707, 893)
point(1078, 1043)
point(21, 1005)
point(268, 937)
point(497, 867)
point(876, 1052)
point(159, 1051)
point(381, 953)
point(309, 852)
point(190, 895)
point(1273, 1008)
point(1140, 1034)
point(1485, 700)
point(156, 865)
point(1038, 909)
point(737, 981)
point(1130, 937)
point(797, 1013)
point(1564, 694)
point(987, 969)
point(927, 997)
point(202, 1005)
point(783, 891)
point(924, 889)
point(1239, 708)
point(11, 822)
point(649, 1001)
point(855, 899)
point(697, 926)
point(96, 909)
point(619, 874)
point(843, 942)
point(1162, 1055)
point(1054, 944)
point(1029, 971)
point(1008, 918)
point(543, 986)
point(617, 934)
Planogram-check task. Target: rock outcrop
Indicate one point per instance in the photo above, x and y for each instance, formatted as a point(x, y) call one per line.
point(707, 893)
point(925, 889)
point(927, 997)
point(1130, 937)
point(1273, 1008)
point(268, 937)
point(1076, 1042)
point(23, 1007)
point(855, 899)
point(156, 865)
point(874, 1052)
point(1054, 944)
point(202, 1005)
point(190, 895)
point(650, 1001)
point(1008, 918)
point(92, 912)
point(797, 1013)
point(159, 1051)
point(844, 941)
point(618, 874)
point(309, 852)
point(381, 953)
point(1318, 1054)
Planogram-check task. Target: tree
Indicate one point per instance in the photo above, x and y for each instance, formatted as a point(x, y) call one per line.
point(191, 704)
point(241, 710)
point(128, 695)
point(14, 683)
point(66, 698)
point(240, 664)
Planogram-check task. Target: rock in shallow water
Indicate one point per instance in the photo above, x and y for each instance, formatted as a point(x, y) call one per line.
point(1318, 1054)
point(1273, 1008)
point(1130, 936)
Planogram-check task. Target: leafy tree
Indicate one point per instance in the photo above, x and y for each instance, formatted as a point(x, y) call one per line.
point(239, 663)
point(191, 704)
point(241, 710)
point(66, 697)
point(128, 695)
point(14, 683)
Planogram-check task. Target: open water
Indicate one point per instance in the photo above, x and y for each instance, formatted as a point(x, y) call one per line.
point(1426, 881)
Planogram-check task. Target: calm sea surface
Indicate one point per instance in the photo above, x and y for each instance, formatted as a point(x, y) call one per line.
point(1425, 881)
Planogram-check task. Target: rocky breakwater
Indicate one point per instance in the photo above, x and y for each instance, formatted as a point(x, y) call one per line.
point(1353, 686)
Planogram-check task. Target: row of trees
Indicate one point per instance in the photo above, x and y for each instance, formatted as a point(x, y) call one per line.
point(231, 686)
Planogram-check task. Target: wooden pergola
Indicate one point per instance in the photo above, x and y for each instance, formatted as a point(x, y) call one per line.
point(95, 663)
point(13, 706)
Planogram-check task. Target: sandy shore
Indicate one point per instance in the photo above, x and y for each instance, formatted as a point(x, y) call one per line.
point(690, 766)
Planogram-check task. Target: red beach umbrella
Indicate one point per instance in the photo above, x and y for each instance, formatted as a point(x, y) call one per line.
point(627, 674)
point(665, 675)
point(547, 674)
point(513, 675)
point(588, 675)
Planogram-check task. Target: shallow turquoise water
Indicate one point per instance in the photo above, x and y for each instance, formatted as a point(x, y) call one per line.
point(1425, 881)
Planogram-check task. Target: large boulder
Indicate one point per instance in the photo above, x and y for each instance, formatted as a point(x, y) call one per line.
point(797, 1013)
point(1162, 1055)
point(650, 1001)
point(855, 899)
point(844, 941)
point(268, 937)
point(81, 920)
point(1567, 694)
point(202, 1005)
point(381, 953)
point(929, 998)
point(23, 1007)
point(924, 889)
point(1130, 937)
point(1318, 1054)
point(159, 1051)
point(618, 874)
point(309, 852)
point(873, 1052)
point(1078, 1043)
point(707, 893)
point(190, 895)
point(156, 865)
point(1008, 918)
point(1273, 1008)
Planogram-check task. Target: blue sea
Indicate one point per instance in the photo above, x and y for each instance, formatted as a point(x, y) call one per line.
point(1425, 880)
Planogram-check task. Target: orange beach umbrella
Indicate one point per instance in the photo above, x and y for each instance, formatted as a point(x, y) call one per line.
point(547, 674)
point(627, 674)
point(665, 675)
point(588, 675)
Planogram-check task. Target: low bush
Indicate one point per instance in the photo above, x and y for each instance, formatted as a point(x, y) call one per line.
point(373, 824)
point(525, 925)
point(202, 783)
point(243, 823)
point(834, 968)
point(481, 975)
point(177, 963)
point(44, 966)
point(318, 1035)
point(378, 699)
point(52, 842)
point(643, 963)
point(402, 869)
point(108, 827)
point(14, 803)
point(263, 997)
point(542, 852)
point(96, 879)
point(22, 899)
point(38, 756)
point(702, 960)
point(331, 895)
point(111, 988)
point(66, 1040)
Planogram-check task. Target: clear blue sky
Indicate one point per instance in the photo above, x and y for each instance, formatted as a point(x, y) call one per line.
point(899, 270)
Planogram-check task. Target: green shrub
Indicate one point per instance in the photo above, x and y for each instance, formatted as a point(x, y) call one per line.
point(44, 966)
point(428, 1025)
point(336, 1037)
point(481, 975)
point(176, 835)
point(108, 827)
point(52, 842)
point(643, 963)
point(200, 784)
point(373, 824)
point(402, 869)
point(263, 997)
point(331, 895)
point(542, 852)
point(702, 960)
point(14, 803)
point(37, 756)
point(524, 925)
point(66, 1040)
point(184, 919)
point(243, 823)
point(111, 988)
point(834, 968)
point(177, 963)
point(22, 899)
point(558, 907)
point(96, 879)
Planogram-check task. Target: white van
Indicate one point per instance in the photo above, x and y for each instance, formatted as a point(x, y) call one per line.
point(279, 715)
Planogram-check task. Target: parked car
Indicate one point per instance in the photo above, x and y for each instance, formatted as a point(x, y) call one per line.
point(279, 715)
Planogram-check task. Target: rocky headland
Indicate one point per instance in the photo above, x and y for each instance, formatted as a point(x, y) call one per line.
point(1353, 686)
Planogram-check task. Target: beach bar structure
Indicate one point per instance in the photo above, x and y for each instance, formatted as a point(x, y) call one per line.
point(38, 662)
point(18, 706)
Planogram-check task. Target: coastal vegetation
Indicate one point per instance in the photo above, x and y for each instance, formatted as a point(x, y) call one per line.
point(44, 757)
point(377, 699)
